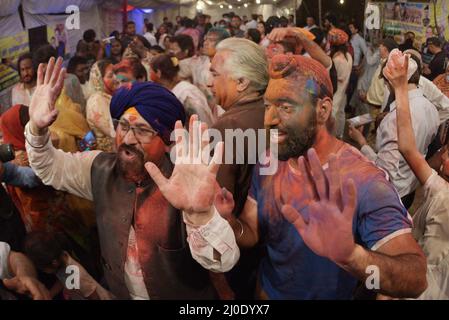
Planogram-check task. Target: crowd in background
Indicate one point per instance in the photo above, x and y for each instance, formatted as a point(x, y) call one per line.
point(45, 227)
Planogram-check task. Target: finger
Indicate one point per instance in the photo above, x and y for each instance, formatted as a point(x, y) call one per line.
point(217, 158)
point(334, 181)
point(349, 199)
point(205, 144)
point(57, 89)
point(35, 293)
point(294, 217)
point(156, 175)
point(56, 72)
point(317, 172)
point(192, 136)
point(181, 137)
point(11, 284)
point(40, 74)
point(49, 70)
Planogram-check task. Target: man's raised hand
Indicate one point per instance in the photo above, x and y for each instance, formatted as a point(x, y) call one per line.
point(49, 87)
point(327, 229)
point(191, 187)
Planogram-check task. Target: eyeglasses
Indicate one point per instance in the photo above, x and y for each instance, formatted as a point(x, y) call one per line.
point(143, 135)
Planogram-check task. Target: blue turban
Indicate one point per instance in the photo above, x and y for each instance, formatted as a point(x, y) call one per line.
point(156, 104)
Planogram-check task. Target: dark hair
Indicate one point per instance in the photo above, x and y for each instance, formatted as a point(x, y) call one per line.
point(74, 62)
point(89, 35)
point(319, 35)
point(271, 23)
point(164, 64)
point(133, 65)
point(340, 48)
point(150, 27)
point(42, 247)
point(284, 22)
point(185, 42)
point(144, 41)
point(130, 22)
point(188, 23)
point(115, 34)
point(237, 17)
point(354, 24)
point(434, 41)
point(331, 18)
point(43, 54)
point(254, 35)
point(289, 46)
point(157, 48)
point(23, 57)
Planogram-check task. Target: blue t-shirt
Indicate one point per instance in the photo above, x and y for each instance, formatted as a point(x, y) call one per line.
point(290, 270)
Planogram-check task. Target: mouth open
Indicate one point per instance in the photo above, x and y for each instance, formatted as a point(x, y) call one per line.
point(129, 155)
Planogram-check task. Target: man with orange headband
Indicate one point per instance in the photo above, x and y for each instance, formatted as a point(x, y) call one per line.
point(142, 237)
point(328, 217)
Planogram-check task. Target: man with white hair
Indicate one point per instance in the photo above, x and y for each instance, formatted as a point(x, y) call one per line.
point(239, 79)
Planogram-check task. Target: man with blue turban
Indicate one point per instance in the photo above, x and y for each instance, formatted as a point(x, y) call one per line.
point(143, 238)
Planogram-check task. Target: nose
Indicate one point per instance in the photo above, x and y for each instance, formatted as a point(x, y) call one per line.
point(271, 117)
point(130, 138)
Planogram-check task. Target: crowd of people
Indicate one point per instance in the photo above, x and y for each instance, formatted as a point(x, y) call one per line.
point(361, 129)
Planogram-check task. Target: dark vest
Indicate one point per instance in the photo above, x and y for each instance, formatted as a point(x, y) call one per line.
point(169, 270)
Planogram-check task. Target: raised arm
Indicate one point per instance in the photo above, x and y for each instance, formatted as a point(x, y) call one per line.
point(314, 50)
point(64, 171)
point(397, 76)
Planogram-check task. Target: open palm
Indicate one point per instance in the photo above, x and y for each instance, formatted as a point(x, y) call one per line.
point(327, 230)
point(192, 185)
point(49, 86)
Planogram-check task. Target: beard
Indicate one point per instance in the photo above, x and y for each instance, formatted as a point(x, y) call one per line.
point(131, 163)
point(299, 140)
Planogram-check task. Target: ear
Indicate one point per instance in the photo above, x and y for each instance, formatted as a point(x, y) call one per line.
point(324, 110)
point(159, 74)
point(242, 84)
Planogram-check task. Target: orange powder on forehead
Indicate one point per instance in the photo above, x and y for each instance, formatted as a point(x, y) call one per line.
point(133, 113)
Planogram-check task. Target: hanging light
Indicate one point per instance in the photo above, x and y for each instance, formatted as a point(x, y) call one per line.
point(221, 6)
point(245, 5)
point(342, 1)
point(230, 6)
point(258, 1)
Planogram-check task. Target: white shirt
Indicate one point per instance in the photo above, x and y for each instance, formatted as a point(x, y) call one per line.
point(21, 95)
point(343, 66)
point(431, 231)
point(4, 258)
point(425, 122)
point(251, 24)
point(432, 93)
point(194, 102)
point(151, 38)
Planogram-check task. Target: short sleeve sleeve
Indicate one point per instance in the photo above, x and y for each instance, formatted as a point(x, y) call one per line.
point(381, 215)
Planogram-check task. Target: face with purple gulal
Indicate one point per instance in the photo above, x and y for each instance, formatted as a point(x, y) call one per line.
point(290, 110)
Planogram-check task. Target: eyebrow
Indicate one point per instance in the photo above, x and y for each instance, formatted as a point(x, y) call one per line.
point(282, 100)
